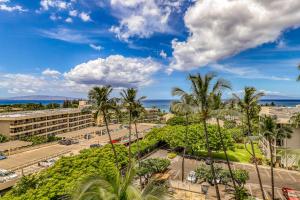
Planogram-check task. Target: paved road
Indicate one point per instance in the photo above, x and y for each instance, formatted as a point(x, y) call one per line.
point(282, 177)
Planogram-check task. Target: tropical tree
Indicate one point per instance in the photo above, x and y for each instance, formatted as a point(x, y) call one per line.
point(219, 109)
point(202, 89)
point(185, 107)
point(248, 105)
point(130, 101)
point(101, 102)
point(269, 130)
point(117, 108)
point(118, 188)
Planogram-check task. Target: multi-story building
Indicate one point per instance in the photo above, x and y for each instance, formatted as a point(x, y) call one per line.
point(44, 122)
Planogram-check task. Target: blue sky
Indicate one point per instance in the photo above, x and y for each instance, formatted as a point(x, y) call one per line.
point(64, 47)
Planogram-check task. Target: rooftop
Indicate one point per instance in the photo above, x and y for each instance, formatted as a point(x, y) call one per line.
point(37, 113)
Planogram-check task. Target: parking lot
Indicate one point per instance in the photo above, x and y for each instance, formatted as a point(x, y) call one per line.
point(283, 178)
point(26, 162)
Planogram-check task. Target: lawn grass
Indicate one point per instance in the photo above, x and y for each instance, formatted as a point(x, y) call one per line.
point(240, 154)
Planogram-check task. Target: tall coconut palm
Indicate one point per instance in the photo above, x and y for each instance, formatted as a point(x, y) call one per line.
point(248, 105)
point(269, 130)
point(129, 98)
point(99, 97)
point(118, 188)
point(185, 107)
point(136, 114)
point(202, 89)
point(220, 111)
point(117, 108)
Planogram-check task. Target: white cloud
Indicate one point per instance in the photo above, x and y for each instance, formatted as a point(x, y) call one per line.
point(4, 6)
point(163, 54)
point(69, 20)
point(222, 28)
point(142, 18)
point(21, 83)
point(73, 13)
point(114, 70)
point(51, 73)
point(59, 4)
point(67, 35)
point(96, 47)
point(85, 17)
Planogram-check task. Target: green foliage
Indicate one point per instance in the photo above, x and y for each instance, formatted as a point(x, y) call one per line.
point(3, 138)
point(241, 176)
point(172, 155)
point(70, 104)
point(151, 166)
point(52, 106)
point(229, 124)
point(174, 137)
point(62, 178)
point(176, 120)
point(241, 193)
point(203, 172)
point(40, 139)
point(119, 187)
point(237, 134)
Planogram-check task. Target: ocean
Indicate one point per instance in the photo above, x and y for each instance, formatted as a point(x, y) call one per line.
point(163, 104)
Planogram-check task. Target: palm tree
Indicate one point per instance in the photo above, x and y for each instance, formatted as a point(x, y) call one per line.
point(138, 109)
point(117, 108)
point(248, 105)
point(185, 107)
point(99, 97)
point(118, 188)
point(220, 110)
point(269, 130)
point(130, 100)
point(202, 90)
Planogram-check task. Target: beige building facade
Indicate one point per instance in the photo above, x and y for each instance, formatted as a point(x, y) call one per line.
point(44, 122)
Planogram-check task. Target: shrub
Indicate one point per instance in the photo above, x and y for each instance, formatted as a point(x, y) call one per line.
point(177, 120)
point(172, 155)
point(258, 160)
point(3, 138)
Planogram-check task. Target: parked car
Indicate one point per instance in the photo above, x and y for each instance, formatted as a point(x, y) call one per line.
point(192, 177)
point(68, 141)
point(290, 194)
point(6, 175)
point(47, 163)
point(2, 156)
point(87, 136)
point(95, 145)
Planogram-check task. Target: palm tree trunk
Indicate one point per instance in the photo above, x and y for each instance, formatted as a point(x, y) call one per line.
point(254, 157)
point(272, 172)
point(110, 139)
point(212, 161)
point(184, 149)
point(138, 148)
point(225, 152)
point(129, 142)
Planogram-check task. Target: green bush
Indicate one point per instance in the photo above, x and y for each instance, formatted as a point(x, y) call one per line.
point(61, 179)
point(3, 138)
point(177, 120)
point(172, 155)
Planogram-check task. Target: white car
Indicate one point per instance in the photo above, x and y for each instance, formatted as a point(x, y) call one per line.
point(47, 163)
point(192, 177)
point(6, 175)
